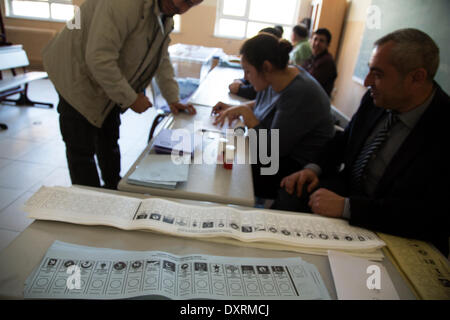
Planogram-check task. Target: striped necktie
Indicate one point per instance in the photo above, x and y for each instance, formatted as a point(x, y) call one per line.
point(369, 150)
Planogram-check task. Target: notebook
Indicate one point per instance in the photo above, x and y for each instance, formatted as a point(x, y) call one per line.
point(168, 141)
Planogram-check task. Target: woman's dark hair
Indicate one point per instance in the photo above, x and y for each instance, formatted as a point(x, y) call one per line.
point(280, 29)
point(266, 47)
point(271, 30)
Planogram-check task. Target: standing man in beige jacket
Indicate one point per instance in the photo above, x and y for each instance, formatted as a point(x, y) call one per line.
point(102, 69)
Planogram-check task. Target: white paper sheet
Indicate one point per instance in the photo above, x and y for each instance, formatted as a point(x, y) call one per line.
point(288, 231)
point(354, 276)
point(160, 170)
point(101, 273)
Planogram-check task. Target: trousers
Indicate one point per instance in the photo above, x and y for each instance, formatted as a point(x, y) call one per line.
point(266, 186)
point(288, 202)
point(84, 141)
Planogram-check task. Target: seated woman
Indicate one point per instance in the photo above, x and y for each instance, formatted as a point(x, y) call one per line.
point(244, 88)
point(288, 99)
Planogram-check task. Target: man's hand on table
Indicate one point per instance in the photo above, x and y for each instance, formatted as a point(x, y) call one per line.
point(176, 107)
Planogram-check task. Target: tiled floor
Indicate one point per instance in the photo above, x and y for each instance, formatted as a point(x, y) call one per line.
point(32, 154)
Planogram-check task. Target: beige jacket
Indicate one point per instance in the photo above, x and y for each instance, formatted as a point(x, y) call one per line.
point(120, 46)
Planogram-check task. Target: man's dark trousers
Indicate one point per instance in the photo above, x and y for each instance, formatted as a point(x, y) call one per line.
point(83, 140)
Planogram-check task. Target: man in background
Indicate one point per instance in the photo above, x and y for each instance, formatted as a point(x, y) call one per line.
point(321, 64)
point(302, 49)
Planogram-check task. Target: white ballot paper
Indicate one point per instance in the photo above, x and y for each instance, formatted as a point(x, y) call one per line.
point(71, 271)
point(296, 232)
point(215, 88)
point(360, 279)
point(158, 170)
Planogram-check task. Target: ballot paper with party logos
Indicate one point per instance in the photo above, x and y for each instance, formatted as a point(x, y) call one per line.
point(267, 229)
point(70, 271)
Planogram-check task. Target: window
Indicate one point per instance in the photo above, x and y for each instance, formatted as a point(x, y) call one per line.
point(244, 18)
point(57, 10)
point(176, 23)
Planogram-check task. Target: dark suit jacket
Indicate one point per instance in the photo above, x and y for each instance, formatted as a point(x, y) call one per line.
point(412, 198)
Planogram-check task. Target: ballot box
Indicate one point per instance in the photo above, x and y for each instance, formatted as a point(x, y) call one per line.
point(191, 61)
point(191, 64)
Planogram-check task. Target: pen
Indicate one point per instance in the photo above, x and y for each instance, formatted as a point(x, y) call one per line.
point(210, 130)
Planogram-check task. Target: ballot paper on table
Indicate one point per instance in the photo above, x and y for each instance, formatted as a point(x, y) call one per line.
point(228, 128)
point(171, 141)
point(264, 229)
point(159, 170)
point(70, 271)
point(360, 279)
point(426, 269)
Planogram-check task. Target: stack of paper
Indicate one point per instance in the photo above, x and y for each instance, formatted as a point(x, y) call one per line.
point(427, 270)
point(160, 171)
point(71, 271)
point(169, 141)
point(360, 279)
point(262, 228)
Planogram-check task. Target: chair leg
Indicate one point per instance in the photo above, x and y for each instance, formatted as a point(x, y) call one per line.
point(155, 123)
point(25, 101)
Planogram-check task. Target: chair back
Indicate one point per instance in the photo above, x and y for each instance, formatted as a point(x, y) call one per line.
point(13, 57)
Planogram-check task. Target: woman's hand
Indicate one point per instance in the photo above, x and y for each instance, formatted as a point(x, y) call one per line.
point(219, 108)
point(232, 113)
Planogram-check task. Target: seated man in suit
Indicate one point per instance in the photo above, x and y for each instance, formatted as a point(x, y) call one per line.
point(389, 170)
point(321, 64)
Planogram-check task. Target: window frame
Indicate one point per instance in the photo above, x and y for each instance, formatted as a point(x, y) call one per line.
point(177, 27)
point(9, 13)
point(246, 19)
